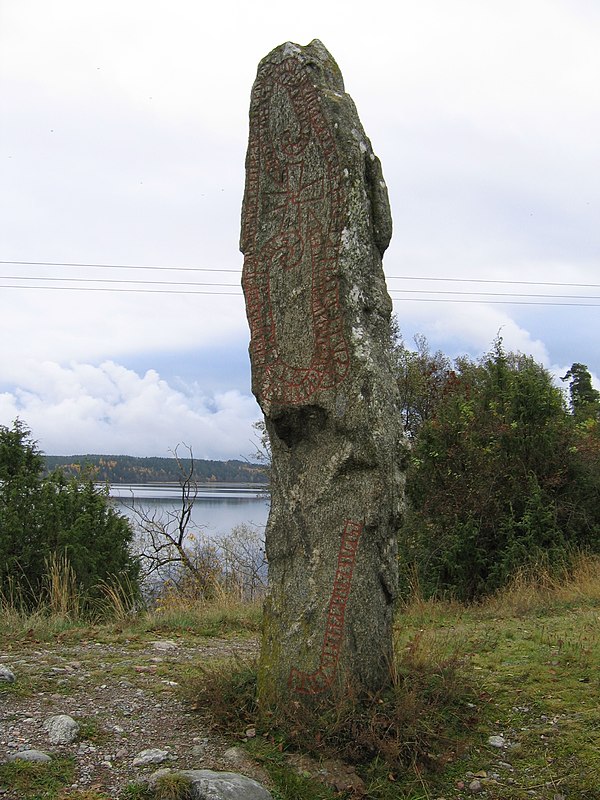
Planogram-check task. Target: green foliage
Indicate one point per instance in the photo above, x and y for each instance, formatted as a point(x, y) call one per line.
point(42, 518)
point(585, 400)
point(502, 476)
point(421, 377)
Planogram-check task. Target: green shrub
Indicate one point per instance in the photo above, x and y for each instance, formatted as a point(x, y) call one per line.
point(47, 518)
point(502, 477)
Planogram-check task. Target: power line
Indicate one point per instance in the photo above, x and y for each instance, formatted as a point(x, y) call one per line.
point(492, 280)
point(499, 294)
point(236, 286)
point(402, 298)
point(398, 293)
point(238, 272)
point(115, 280)
point(111, 289)
point(118, 266)
point(496, 302)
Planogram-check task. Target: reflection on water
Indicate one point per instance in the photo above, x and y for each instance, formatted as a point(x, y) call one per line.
point(217, 508)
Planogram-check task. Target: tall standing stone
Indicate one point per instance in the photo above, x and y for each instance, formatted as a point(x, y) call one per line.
point(315, 223)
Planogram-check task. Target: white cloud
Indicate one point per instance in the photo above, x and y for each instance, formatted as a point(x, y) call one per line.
point(470, 328)
point(110, 409)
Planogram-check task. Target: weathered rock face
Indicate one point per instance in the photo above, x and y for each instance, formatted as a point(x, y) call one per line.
point(315, 223)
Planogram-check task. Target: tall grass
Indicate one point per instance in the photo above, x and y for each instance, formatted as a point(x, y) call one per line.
point(63, 605)
point(537, 589)
point(62, 595)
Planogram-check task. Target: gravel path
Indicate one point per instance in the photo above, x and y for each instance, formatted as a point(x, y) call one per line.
point(124, 698)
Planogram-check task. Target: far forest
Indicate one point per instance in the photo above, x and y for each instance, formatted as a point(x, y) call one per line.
point(130, 469)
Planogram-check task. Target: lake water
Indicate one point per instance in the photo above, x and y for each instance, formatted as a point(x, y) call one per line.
point(217, 509)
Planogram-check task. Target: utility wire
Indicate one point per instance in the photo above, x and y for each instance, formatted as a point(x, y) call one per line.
point(238, 272)
point(398, 292)
point(116, 280)
point(238, 293)
point(111, 289)
point(118, 266)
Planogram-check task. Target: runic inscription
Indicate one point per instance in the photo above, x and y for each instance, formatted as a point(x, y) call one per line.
point(321, 678)
point(294, 190)
point(315, 224)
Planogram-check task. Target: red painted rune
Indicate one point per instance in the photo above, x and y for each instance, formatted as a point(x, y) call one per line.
point(291, 235)
point(322, 677)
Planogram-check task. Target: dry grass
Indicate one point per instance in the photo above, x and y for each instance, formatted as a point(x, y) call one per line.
point(540, 589)
point(62, 595)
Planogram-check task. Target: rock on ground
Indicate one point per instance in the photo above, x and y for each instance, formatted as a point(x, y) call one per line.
point(205, 784)
point(6, 674)
point(30, 755)
point(61, 729)
point(150, 756)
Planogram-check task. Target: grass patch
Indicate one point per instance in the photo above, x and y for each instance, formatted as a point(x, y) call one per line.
point(91, 730)
point(290, 785)
point(414, 726)
point(172, 787)
point(136, 791)
point(36, 781)
point(206, 619)
point(522, 666)
point(198, 620)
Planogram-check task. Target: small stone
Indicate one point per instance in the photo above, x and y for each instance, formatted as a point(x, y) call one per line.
point(505, 765)
point(6, 674)
point(150, 756)
point(475, 787)
point(61, 729)
point(30, 755)
point(165, 644)
point(497, 741)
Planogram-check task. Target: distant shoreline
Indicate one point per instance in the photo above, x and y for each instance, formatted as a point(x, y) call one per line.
point(117, 469)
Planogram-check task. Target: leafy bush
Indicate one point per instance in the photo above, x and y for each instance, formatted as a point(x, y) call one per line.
point(42, 518)
point(502, 477)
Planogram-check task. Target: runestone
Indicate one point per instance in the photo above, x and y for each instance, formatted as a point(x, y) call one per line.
point(315, 224)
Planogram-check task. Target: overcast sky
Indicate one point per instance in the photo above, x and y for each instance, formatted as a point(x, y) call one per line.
point(122, 142)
